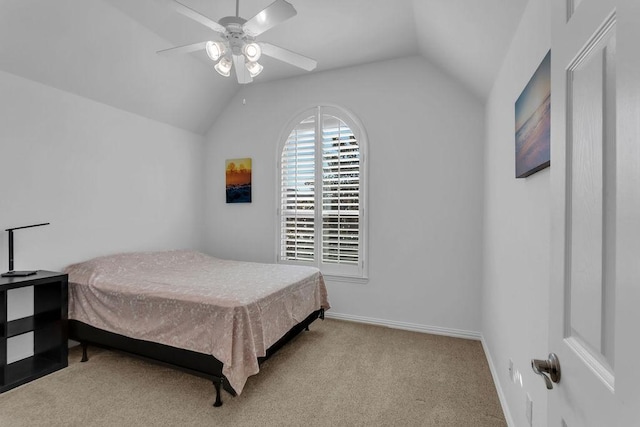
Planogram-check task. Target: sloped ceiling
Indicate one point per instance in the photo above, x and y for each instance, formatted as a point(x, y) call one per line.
point(105, 49)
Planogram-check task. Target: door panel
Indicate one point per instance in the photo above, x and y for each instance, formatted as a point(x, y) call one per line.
point(591, 196)
point(595, 179)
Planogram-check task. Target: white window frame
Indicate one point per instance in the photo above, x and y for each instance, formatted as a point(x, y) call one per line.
point(336, 272)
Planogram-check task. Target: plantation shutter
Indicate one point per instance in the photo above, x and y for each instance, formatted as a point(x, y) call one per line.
point(297, 210)
point(321, 195)
point(340, 193)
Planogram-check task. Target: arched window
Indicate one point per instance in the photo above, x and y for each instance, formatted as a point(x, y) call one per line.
point(322, 193)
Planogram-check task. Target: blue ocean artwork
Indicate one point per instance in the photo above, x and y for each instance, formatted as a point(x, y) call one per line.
point(239, 193)
point(533, 122)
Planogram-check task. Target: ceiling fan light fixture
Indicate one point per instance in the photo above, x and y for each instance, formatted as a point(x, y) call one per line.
point(254, 68)
point(214, 50)
point(224, 67)
point(252, 51)
point(236, 44)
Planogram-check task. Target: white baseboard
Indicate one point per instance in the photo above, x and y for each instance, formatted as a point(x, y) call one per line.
point(494, 374)
point(436, 330)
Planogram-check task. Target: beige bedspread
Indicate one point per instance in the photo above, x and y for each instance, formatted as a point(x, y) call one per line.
point(232, 310)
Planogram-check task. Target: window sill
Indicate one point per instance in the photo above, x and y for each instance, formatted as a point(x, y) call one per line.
point(345, 279)
point(329, 277)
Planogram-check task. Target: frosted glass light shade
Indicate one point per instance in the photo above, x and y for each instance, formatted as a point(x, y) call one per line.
point(224, 67)
point(252, 51)
point(214, 50)
point(254, 68)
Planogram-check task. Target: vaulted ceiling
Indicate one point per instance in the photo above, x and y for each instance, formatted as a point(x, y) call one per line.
point(105, 49)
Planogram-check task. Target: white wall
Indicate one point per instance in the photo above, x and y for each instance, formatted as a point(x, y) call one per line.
point(516, 231)
point(105, 179)
point(425, 187)
point(93, 49)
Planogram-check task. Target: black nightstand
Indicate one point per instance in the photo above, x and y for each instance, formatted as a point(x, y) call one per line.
point(48, 323)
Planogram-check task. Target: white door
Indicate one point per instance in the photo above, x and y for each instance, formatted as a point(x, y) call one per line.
point(595, 178)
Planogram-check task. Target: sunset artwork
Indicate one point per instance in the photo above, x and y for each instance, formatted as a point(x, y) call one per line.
point(238, 180)
point(533, 122)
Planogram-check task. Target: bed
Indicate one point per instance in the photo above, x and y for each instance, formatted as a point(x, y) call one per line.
point(215, 318)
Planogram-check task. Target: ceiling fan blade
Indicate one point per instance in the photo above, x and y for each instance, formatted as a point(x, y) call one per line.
point(183, 49)
point(197, 16)
point(241, 71)
point(287, 56)
point(277, 12)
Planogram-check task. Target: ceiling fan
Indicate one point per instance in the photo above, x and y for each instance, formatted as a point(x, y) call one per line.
point(236, 41)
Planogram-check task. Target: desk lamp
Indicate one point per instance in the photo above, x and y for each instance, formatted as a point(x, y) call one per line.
point(12, 273)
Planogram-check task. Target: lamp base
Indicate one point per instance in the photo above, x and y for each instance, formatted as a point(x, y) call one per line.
point(18, 273)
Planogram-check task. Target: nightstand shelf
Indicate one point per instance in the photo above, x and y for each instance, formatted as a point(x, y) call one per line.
point(48, 324)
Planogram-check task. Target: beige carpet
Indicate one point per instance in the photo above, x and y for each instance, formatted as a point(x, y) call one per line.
point(337, 374)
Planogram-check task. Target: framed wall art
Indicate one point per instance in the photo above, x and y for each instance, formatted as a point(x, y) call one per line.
point(533, 122)
point(238, 180)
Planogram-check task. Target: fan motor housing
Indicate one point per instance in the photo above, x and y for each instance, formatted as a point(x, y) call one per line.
point(232, 23)
point(235, 35)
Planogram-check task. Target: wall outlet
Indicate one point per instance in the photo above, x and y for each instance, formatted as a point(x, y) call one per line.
point(529, 410)
point(514, 375)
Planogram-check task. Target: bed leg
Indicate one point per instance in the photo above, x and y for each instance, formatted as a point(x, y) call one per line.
point(218, 385)
point(306, 328)
point(84, 352)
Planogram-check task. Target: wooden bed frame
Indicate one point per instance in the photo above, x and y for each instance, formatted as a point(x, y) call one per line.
point(195, 363)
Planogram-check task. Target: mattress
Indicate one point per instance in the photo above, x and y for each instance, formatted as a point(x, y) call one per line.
point(231, 310)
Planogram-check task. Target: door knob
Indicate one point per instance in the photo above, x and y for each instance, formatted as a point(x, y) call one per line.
point(548, 369)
